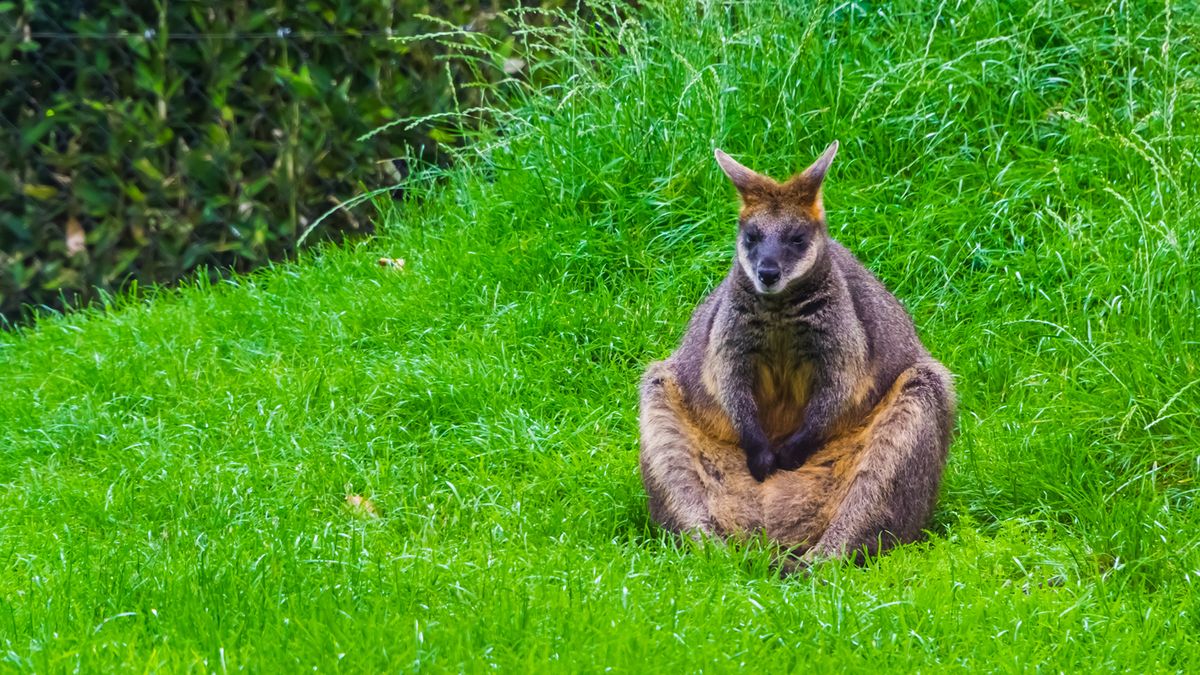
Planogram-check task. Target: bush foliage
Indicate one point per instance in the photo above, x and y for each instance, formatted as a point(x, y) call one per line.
point(143, 141)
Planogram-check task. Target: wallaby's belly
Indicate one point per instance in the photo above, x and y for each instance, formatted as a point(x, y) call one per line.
point(792, 507)
point(698, 480)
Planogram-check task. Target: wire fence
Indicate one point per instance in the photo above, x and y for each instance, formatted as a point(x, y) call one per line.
point(143, 140)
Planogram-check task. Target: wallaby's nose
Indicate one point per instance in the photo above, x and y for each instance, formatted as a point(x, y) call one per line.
point(768, 273)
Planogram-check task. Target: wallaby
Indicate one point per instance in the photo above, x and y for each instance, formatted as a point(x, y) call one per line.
point(800, 401)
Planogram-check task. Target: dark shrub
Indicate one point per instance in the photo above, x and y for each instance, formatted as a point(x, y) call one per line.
point(139, 144)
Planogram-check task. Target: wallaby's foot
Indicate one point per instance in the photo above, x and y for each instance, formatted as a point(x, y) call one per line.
point(796, 564)
point(790, 565)
point(704, 536)
point(817, 555)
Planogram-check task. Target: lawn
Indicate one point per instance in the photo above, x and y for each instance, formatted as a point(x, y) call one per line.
point(174, 470)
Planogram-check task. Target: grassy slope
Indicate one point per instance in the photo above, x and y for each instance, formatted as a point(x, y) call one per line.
point(1022, 174)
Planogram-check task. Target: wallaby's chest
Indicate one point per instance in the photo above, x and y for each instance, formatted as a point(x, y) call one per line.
point(782, 383)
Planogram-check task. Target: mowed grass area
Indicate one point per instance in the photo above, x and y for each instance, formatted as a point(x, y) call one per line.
point(174, 472)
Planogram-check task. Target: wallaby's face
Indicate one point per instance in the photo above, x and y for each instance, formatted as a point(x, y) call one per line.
point(781, 230)
point(776, 248)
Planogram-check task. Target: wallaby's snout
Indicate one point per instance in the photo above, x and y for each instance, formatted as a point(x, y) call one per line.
point(768, 273)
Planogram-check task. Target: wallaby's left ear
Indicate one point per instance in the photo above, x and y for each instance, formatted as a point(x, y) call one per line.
point(750, 184)
point(806, 185)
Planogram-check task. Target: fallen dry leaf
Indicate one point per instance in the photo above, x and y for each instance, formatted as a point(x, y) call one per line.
point(394, 263)
point(362, 506)
point(76, 238)
point(513, 66)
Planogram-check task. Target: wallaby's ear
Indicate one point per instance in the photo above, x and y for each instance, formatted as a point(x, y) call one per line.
point(806, 185)
point(812, 177)
point(749, 184)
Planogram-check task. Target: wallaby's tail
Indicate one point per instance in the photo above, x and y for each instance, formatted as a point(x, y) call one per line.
point(891, 492)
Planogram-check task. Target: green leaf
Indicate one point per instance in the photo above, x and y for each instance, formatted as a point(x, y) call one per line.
point(39, 192)
point(147, 169)
point(134, 193)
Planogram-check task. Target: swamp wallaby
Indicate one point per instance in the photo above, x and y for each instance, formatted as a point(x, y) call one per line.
point(801, 401)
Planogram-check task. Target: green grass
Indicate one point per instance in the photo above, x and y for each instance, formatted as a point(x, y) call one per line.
point(173, 472)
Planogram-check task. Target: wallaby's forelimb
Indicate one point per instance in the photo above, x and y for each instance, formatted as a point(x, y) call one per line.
point(736, 397)
point(832, 400)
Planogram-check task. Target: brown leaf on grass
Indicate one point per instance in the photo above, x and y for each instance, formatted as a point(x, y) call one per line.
point(362, 506)
point(76, 238)
point(394, 263)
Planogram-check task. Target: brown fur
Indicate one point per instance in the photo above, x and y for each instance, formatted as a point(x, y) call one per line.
point(823, 376)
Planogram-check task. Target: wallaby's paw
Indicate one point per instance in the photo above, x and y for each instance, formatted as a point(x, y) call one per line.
point(761, 464)
point(794, 451)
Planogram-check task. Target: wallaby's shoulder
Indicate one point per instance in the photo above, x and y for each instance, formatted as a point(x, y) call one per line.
point(705, 313)
point(688, 359)
point(886, 323)
point(858, 277)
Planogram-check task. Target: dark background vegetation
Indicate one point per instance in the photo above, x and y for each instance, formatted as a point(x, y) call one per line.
point(144, 140)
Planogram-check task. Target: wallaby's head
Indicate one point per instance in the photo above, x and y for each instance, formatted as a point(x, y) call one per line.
point(781, 228)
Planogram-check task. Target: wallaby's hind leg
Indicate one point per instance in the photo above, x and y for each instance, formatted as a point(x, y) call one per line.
point(678, 499)
point(890, 495)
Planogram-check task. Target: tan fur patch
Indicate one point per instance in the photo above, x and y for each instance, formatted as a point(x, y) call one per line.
point(863, 388)
point(816, 210)
point(781, 394)
point(780, 207)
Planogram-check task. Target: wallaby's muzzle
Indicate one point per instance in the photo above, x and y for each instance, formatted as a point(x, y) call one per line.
point(768, 273)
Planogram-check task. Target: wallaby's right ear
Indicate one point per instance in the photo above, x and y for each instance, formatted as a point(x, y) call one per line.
point(749, 184)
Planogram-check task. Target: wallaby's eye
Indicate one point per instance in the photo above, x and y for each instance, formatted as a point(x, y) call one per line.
point(753, 237)
point(798, 240)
